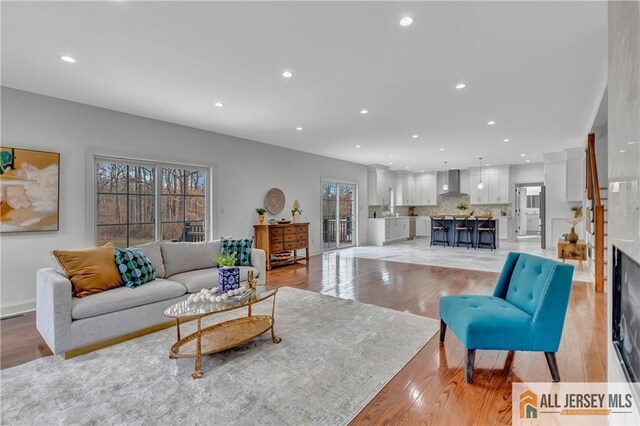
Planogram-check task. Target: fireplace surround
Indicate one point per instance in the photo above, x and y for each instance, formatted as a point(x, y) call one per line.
point(625, 304)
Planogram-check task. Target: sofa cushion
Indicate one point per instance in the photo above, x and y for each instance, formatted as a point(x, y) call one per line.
point(135, 268)
point(124, 298)
point(486, 322)
point(195, 281)
point(91, 270)
point(154, 253)
point(183, 257)
point(241, 249)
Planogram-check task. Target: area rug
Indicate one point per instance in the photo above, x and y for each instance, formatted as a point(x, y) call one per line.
point(335, 356)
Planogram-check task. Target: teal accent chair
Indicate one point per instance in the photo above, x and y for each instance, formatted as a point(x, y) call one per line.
point(525, 313)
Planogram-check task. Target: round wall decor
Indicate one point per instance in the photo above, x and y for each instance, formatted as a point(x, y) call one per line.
point(274, 201)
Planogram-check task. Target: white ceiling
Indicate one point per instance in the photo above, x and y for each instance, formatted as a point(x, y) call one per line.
point(537, 69)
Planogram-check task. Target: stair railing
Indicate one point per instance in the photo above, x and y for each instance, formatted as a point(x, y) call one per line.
point(593, 194)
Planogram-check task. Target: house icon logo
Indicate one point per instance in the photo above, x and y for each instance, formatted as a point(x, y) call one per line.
point(528, 405)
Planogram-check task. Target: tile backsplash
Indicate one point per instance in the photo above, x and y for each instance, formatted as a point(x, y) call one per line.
point(447, 205)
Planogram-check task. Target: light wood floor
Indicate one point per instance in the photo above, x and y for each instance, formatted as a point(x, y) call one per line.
point(431, 388)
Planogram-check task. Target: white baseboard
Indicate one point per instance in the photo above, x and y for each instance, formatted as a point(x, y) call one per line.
point(15, 308)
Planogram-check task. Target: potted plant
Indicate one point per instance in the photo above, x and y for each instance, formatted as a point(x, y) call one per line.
point(462, 207)
point(412, 210)
point(261, 213)
point(228, 273)
point(295, 209)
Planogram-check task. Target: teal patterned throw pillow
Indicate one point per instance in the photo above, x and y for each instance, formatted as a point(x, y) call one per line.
point(241, 249)
point(135, 268)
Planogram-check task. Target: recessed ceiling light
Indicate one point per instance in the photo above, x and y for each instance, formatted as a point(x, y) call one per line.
point(298, 128)
point(441, 149)
point(364, 111)
point(358, 146)
point(406, 21)
point(527, 161)
point(391, 156)
point(460, 86)
point(622, 150)
point(68, 59)
point(414, 136)
point(287, 74)
point(421, 171)
point(219, 104)
point(491, 123)
point(407, 167)
point(631, 143)
point(523, 155)
point(505, 140)
point(487, 164)
point(390, 163)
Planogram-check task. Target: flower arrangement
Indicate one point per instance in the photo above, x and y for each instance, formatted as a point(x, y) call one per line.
point(296, 208)
point(462, 206)
point(225, 260)
point(573, 236)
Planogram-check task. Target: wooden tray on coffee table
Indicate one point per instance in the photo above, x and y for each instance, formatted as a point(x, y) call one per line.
point(224, 335)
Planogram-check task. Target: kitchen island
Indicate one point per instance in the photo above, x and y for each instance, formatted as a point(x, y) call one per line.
point(472, 221)
point(385, 230)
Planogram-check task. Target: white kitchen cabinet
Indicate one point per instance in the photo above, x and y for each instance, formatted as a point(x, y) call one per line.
point(503, 228)
point(379, 184)
point(386, 230)
point(404, 188)
point(496, 185)
point(425, 190)
point(479, 195)
point(498, 188)
point(423, 226)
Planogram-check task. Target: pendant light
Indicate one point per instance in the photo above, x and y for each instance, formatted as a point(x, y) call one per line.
point(445, 185)
point(480, 184)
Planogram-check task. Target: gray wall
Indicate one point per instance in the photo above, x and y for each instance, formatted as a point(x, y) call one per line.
point(244, 172)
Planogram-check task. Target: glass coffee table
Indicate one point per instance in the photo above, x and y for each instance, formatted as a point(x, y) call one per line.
point(224, 335)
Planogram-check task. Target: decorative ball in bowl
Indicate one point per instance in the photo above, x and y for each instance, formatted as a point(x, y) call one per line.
point(285, 255)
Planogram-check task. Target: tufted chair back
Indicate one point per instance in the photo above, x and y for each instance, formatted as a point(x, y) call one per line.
point(541, 288)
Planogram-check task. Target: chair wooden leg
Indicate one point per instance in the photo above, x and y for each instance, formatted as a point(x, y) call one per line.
point(553, 365)
point(443, 330)
point(471, 358)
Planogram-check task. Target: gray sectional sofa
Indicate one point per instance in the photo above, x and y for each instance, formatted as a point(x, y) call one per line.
point(69, 323)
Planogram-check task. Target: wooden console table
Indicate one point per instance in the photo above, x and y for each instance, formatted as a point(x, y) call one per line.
point(279, 238)
point(572, 251)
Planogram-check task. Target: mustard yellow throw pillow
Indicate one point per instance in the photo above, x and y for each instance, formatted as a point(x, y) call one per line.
point(91, 270)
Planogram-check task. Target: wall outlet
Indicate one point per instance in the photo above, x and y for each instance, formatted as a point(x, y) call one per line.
point(221, 210)
point(313, 241)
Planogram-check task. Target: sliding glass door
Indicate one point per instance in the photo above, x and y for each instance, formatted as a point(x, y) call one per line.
point(339, 214)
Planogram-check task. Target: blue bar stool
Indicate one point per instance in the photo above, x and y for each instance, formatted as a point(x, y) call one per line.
point(461, 226)
point(486, 225)
point(438, 225)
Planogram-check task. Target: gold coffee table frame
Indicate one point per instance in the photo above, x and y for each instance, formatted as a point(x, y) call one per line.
point(224, 335)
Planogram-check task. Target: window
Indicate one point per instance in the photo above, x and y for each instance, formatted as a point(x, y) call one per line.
point(533, 201)
point(138, 202)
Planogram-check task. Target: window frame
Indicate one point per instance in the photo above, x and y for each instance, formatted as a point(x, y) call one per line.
point(157, 165)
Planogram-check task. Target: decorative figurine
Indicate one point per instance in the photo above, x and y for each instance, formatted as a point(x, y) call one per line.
point(251, 280)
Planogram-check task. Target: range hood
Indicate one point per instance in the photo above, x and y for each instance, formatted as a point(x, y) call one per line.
point(453, 181)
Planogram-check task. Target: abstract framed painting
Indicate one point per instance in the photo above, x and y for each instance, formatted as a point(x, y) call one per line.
point(29, 190)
